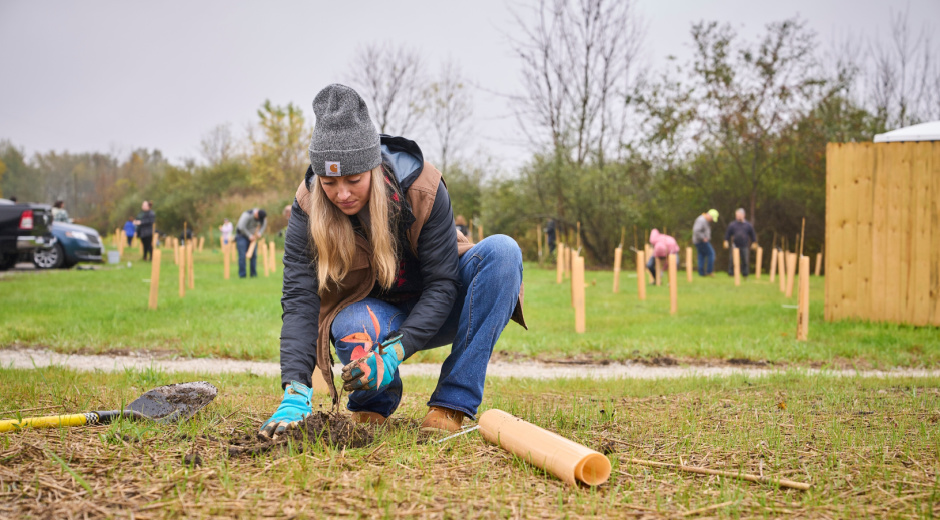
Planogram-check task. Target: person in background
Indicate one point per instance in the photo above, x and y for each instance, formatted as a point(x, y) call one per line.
point(129, 230)
point(701, 238)
point(663, 246)
point(741, 234)
point(144, 223)
point(461, 224)
point(59, 214)
point(251, 226)
point(226, 228)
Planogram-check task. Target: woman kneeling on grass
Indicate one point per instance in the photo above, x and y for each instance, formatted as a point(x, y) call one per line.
point(371, 251)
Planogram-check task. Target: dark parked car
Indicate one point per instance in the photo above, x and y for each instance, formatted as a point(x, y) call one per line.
point(74, 244)
point(24, 228)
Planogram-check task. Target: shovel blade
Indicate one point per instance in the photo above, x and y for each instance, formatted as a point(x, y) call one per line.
point(176, 402)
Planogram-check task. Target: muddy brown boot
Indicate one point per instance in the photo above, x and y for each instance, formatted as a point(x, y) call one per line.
point(368, 418)
point(442, 419)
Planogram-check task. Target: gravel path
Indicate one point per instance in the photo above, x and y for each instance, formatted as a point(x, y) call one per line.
point(33, 358)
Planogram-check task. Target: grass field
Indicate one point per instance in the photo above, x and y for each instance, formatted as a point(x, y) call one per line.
point(869, 447)
point(105, 311)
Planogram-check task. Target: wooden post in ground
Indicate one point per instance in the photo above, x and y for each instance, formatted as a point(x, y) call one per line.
point(559, 262)
point(569, 254)
point(802, 301)
point(641, 275)
point(574, 257)
point(226, 264)
point(273, 249)
point(760, 259)
point(265, 258)
point(688, 264)
point(818, 263)
point(781, 269)
point(190, 246)
point(577, 280)
point(736, 259)
point(618, 257)
point(182, 270)
point(792, 261)
point(202, 243)
point(480, 228)
point(673, 283)
point(154, 278)
point(659, 271)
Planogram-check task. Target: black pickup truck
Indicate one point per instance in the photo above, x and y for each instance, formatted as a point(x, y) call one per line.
point(24, 228)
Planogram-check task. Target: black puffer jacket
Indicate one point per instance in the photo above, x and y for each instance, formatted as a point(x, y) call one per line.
point(436, 252)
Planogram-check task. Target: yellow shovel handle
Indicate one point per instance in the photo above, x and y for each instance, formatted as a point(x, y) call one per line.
point(51, 421)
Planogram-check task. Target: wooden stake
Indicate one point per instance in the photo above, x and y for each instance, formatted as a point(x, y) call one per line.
point(226, 264)
point(480, 228)
point(573, 257)
point(802, 301)
point(618, 256)
point(182, 270)
point(673, 284)
point(265, 260)
point(154, 279)
point(578, 283)
point(688, 264)
point(273, 263)
point(818, 263)
point(569, 254)
point(736, 258)
point(659, 272)
point(251, 249)
point(202, 243)
point(760, 259)
point(641, 275)
point(773, 264)
point(559, 262)
point(782, 482)
point(190, 246)
point(781, 268)
point(791, 272)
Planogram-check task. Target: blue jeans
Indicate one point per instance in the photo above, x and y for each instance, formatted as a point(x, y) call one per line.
point(243, 243)
point(489, 277)
point(706, 255)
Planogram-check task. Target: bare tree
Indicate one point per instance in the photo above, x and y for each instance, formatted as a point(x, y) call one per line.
point(904, 75)
point(449, 106)
point(578, 59)
point(218, 145)
point(390, 78)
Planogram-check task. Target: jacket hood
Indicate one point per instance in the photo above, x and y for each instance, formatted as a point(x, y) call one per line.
point(404, 154)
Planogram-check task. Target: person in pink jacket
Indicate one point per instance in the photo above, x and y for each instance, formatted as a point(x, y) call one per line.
point(663, 246)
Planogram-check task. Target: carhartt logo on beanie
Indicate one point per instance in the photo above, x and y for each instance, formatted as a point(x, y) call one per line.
point(344, 140)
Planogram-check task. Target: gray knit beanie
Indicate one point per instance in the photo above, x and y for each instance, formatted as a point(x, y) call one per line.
point(344, 140)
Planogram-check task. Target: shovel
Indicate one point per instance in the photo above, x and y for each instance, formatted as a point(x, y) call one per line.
point(165, 404)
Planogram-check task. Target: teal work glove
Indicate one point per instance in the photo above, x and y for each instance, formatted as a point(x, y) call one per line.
point(376, 368)
point(294, 408)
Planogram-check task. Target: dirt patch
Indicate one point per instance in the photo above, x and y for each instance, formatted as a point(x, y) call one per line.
point(332, 429)
point(747, 362)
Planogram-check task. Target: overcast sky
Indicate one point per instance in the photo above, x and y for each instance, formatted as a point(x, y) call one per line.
point(116, 75)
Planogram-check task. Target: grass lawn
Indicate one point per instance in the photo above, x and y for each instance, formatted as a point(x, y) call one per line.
point(105, 310)
point(869, 447)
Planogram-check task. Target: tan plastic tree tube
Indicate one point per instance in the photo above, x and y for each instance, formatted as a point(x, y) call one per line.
point(564, 458)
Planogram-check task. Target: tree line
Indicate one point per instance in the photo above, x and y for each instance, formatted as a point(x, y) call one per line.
point(615, 145)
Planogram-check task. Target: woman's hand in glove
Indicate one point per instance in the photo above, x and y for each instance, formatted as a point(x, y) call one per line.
point(376, 369)
point(294, 408)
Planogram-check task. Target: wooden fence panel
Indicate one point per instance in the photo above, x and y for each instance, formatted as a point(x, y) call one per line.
point(935, 234)
point(892, 253)
point(850, 230)
point(863, 170)
point(883, 232)
point(879, 237)
point(919, 299)
point(834, 165)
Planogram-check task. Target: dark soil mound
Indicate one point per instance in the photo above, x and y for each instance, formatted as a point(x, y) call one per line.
point(333, 429)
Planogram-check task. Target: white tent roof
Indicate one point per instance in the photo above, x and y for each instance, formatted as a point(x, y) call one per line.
point(922, 132)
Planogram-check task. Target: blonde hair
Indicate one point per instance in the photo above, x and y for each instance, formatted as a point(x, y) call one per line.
point(334, 242)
